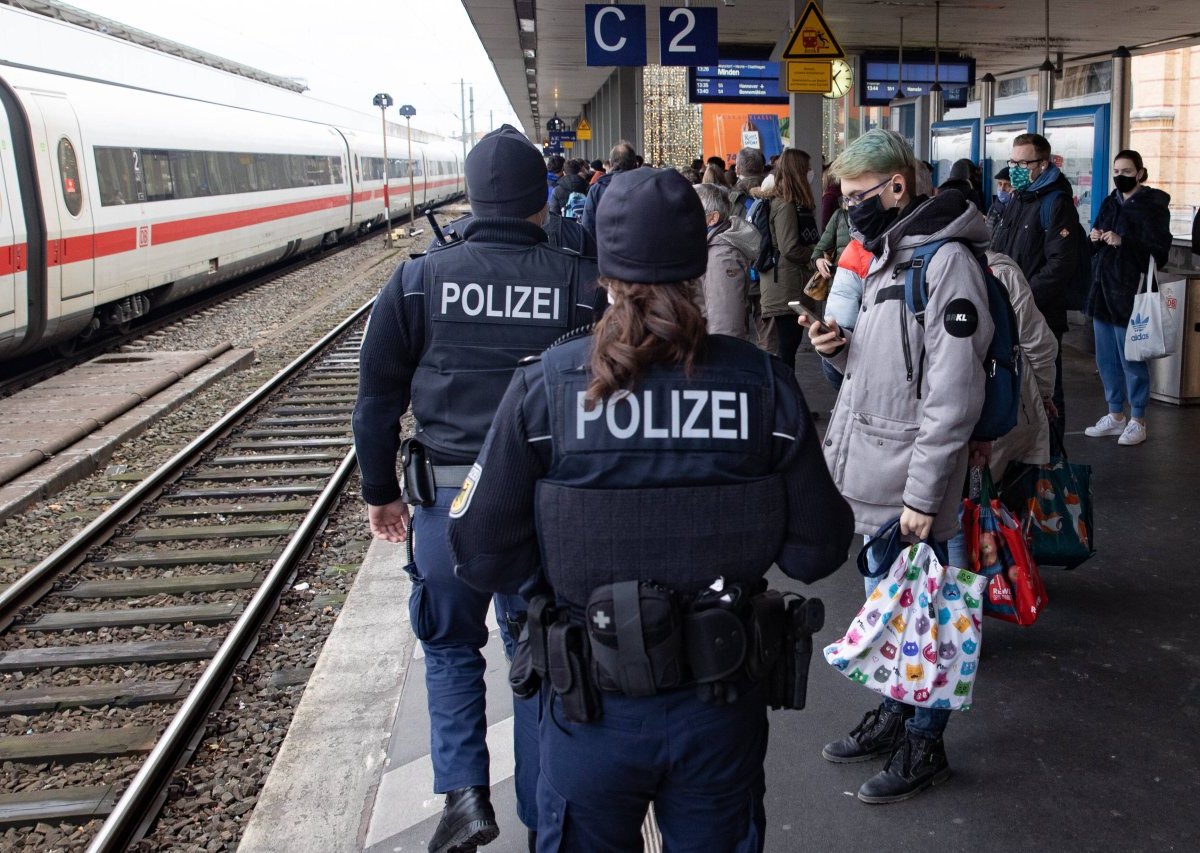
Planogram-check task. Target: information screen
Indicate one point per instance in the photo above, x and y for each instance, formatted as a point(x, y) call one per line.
point(736, 81)
point(879, 74)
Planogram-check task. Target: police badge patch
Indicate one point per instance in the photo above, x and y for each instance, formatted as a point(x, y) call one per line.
point(462, 500)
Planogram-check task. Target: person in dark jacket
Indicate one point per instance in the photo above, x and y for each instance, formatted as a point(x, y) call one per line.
point(554, 171)
point(1045, 255)
point(1000, 200)
point(570, 182)
point(446, 333)
point(622, 159)
point(571, 498)
point(1134, 225)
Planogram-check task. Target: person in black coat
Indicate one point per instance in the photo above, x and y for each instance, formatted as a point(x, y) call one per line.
point(1134, 225)
point(570, 182)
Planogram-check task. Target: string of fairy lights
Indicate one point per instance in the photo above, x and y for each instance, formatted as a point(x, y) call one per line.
point(672, 128)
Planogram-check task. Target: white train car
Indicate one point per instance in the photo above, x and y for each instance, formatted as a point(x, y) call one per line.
point(118, 195)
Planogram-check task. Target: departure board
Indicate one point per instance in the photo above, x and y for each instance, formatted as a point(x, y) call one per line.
point(879, 76)
point(736, 81)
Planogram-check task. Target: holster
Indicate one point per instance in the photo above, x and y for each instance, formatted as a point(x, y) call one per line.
point(636, 638)
point(568, 670)
point(417, 485)
point(787, 687)
point(522, 678)
point(530, 663)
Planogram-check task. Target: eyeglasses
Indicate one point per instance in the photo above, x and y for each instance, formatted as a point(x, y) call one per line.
point(858, 198)
point(1023, 164)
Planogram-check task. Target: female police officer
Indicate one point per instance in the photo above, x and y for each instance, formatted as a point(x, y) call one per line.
point(644, 474)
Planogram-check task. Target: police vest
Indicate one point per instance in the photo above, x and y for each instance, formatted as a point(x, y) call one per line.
point(486, 308)
point(670, 483)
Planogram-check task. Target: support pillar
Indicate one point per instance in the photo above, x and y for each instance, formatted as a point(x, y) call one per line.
point(987, 109)
point(1118, 121)
point(1045, 93)
point(806, 124)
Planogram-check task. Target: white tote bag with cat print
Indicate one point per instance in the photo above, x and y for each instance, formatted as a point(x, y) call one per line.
point(917, 637)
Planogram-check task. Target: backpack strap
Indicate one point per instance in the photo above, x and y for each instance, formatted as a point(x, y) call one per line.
point(1047, 207)
point(916, 293)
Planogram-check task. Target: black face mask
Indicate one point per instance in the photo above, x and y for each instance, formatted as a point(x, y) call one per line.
point(1125, 184)
point(871, 218)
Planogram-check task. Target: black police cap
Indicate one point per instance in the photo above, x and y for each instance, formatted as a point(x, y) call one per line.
point(650, 228)
point(506, 175)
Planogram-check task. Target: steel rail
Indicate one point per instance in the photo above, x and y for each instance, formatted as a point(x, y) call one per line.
point(139, 805)
point(37, 581)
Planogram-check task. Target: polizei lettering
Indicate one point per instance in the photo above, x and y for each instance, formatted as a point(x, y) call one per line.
point(522, 303)
point(666, 414)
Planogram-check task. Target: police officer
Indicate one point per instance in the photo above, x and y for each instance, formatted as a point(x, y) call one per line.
point(446, 334)
point(693, 460)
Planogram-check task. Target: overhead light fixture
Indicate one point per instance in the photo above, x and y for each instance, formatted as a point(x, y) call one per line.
point(531, 71)
point(528, 53)
point(527, 24)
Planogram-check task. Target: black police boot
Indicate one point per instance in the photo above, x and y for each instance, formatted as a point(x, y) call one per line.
point(878, 733)
point(917, 763)
point(533, 841)
point(468, 822)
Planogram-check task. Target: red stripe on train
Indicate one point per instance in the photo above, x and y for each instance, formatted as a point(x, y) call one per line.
point(13, 258)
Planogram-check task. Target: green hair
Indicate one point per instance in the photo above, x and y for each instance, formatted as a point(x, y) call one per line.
point(876, 152)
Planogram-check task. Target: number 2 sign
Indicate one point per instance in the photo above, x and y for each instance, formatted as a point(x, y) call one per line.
point(687, 36)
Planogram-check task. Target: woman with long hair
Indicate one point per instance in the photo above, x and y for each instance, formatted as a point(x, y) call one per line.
point(633, 480)
point(1134, 225)
point(714, 174)
point(794, 232)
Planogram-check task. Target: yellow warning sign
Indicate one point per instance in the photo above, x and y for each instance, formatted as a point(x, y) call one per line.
point(809, 78)
point(583, 130)
point(812, 38)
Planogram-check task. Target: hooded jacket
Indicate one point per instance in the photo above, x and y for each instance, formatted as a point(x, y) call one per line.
point(913, 393)
point(1144, 223)
point(566, 185)
point(1029, 440)
point(732, 247)
point(835, 238)
point(1045, 256)
point(793, 237)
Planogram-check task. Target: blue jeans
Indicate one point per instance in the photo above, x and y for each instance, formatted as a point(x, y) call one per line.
point(1118, 375)
point(927, 722)
point(448, 618)
point(700, 763)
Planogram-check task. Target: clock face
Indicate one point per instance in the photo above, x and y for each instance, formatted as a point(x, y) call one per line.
point(843, 79)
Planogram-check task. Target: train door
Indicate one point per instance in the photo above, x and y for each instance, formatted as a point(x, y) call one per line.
point(12, 243)
point(70, 248)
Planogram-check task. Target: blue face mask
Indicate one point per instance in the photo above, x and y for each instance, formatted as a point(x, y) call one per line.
point(1018, 176)
point(1003, 196)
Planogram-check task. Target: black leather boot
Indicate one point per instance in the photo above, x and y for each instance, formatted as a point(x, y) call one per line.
point(533, 841)
point(468, 821)
point(917, 763)
point(877, 734)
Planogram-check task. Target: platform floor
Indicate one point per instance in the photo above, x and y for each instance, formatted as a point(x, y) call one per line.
point(1083, 733)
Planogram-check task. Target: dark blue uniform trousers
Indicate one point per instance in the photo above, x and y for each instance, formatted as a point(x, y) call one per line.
point(448, 618)
point(701, 764)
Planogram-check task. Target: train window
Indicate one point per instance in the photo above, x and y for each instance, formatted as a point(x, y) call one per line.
point(316, 171)
point(189, 174)
point(118, 172)
point(156, 171)
point(72, 185)
point(335, 170)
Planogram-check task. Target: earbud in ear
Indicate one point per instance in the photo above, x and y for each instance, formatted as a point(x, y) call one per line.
point(897, 188)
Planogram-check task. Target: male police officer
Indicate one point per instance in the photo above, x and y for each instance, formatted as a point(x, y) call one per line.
point(447, 332)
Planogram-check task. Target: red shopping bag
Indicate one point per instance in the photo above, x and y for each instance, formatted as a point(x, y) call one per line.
point(997, 548)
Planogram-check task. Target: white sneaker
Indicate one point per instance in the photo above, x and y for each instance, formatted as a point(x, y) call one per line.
point(1107, 425)
point(1135, 433)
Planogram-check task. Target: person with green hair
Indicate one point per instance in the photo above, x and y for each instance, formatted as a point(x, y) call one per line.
point(912, 392)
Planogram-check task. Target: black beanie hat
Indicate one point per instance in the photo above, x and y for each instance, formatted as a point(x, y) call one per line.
point(650, 228)
point(1003, 175)
point(506, 175)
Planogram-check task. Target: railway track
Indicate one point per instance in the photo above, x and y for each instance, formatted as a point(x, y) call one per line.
point(127, 636)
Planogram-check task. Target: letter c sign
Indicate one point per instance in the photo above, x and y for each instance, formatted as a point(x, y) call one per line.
point(615, 35)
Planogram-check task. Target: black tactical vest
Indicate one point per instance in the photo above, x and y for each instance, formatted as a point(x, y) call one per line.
point(487, 307)
point(671, 483)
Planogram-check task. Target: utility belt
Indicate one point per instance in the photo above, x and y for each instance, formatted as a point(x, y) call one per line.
point(641, 639)
point(422, 478)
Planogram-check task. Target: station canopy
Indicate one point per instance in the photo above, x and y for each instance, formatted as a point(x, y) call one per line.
point(1004, 36)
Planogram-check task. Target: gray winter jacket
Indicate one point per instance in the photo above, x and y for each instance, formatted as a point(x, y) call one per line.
point(913, 393)
point(732, 247)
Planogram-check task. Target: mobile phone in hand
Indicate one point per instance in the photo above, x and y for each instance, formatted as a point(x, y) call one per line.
point(819, 322)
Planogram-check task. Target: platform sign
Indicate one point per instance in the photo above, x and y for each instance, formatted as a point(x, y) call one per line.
point(583, 130)
point(809, 78)
point(734, 81)
point(812, 38)
point(687, 36)
point(615, 35)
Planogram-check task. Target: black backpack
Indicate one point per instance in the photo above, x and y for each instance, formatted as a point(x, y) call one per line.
point(758, 214)
point(1002, 364)
point(1080, 255)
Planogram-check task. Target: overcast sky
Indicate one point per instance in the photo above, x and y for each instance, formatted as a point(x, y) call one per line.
point(415, 50)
